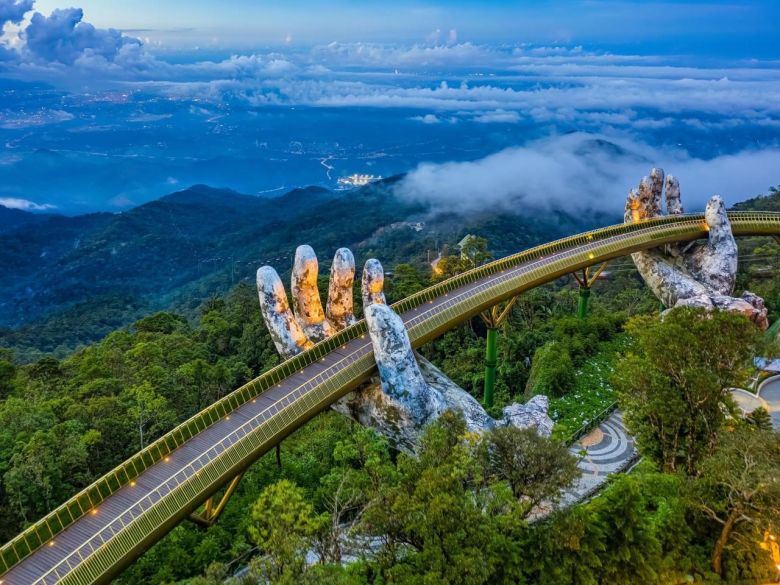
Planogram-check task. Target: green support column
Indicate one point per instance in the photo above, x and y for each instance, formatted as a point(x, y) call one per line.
point(493, 318)
point(491, 359)
point(586, 280)
point(582, 302)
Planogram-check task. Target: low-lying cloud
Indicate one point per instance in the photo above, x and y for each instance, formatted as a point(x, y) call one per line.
point(584, 172)
point(24, 204)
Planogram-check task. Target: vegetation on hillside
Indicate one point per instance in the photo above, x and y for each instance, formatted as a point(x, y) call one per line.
point(461, 512)
point(174, 253)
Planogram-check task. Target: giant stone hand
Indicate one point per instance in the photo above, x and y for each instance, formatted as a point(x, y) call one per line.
point(696, 274)
point(411, 391)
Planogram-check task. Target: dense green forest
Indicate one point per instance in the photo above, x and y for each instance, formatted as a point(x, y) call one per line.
point(454, 514)
point(67, 282)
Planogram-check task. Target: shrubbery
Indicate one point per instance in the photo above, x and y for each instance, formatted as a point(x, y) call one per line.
point(552, 371)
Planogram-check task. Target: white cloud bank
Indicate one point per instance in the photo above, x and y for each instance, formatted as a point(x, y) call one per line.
point(581, 172)
point(545, 85)
point(24, 204)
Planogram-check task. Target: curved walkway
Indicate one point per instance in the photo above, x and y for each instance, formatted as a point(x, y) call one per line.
point(770, 393)
point(607, 449)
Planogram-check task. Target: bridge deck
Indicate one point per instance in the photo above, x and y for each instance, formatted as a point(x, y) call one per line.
point(81, 543)
point(87, 534)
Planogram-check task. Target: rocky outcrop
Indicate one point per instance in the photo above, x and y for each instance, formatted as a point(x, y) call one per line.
point(698, 274)
point(532, 414)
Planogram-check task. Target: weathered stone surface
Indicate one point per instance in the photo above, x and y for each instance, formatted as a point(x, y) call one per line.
point(401, 378)
point(673, 201)
point(714, 262)
point(342, 274)
point(287, 334)
point(306, 296)
point(373, 283)
point(531, 415)
point(700, 274)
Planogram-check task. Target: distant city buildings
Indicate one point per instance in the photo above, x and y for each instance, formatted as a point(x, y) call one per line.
point(358, 180)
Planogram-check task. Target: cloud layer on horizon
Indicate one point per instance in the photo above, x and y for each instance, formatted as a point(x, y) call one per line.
point(24, 204)
point(584, 172)
point(548, 85)
point(439, 84)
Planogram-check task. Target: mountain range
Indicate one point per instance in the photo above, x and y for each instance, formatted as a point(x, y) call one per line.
point(67, 281)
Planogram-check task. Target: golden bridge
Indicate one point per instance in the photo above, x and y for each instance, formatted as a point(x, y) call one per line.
point(102, 529)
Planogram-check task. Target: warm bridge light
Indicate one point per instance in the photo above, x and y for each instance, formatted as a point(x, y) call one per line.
point(635, 214)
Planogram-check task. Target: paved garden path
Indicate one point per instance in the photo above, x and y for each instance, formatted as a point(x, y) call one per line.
point(770, 392)
point(608, 449)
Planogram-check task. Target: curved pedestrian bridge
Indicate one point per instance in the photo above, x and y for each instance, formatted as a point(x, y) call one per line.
point(98, 532)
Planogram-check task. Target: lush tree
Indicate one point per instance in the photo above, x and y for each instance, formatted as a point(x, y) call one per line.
point(439, 509)
point(149, 412)
point(474, 251)
point(48, 468)
point(761, 418)
point(283, 525)
point(552, 371)
point(674, 384)
point(166, 323)
point(537, 469)
point(7, 372)
point(739, 489)
point(406, 281)
point(362, 466)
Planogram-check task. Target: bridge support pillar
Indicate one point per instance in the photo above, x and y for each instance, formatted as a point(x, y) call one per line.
point(493, 319)
point(585, 280)
point(491, 360)
point(582, 302)
point(212, 512)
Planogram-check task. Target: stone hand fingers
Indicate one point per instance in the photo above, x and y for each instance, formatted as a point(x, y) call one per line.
point(715, 263)
point(340, 310)
point(398, 370)
point(372, 285)
point(287, 334)
point(306, 296)
point(673, 200)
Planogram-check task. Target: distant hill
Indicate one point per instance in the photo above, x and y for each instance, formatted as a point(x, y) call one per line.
point(66, 281)
point(768, 202)
point(11, 219)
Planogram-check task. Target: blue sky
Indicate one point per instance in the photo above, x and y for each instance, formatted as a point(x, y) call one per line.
point(131, 99)
point(703, 27)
